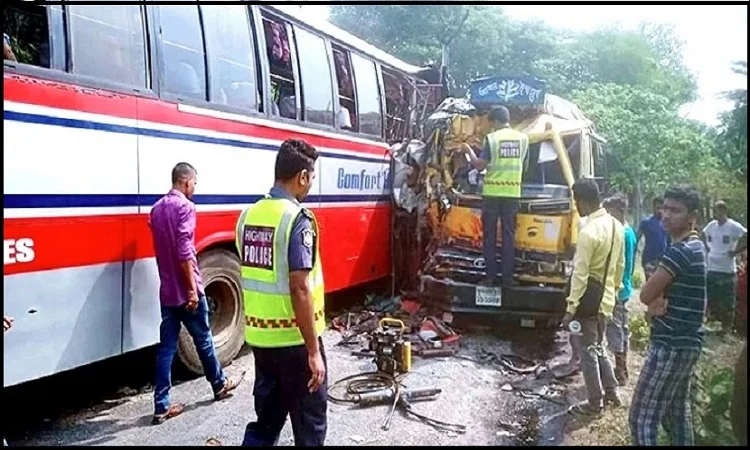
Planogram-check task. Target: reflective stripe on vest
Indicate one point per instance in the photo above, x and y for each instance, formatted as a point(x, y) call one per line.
point(270, 318)
point(508, 148)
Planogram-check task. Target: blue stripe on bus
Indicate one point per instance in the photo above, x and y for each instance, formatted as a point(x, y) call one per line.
point(120, 200)
point(89, 125)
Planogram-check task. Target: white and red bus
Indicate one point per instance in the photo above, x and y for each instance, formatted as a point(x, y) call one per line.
point(102, 101)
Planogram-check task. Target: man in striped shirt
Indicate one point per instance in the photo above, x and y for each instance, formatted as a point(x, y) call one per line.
point(676, 299)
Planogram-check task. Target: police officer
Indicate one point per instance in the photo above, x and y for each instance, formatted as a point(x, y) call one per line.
point(282, 282)
point(505, 157)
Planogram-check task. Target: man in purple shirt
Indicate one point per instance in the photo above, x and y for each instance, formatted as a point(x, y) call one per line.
point(183, 300)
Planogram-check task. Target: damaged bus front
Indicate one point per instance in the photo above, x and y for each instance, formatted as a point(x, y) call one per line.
point(444, 191)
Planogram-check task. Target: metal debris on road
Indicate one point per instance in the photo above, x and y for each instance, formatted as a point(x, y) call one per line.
point(533, 396)
point(424, 330)
point(435, 353)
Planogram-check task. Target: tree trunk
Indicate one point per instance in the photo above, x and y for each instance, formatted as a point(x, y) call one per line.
point(445, 59)
point(638, 200)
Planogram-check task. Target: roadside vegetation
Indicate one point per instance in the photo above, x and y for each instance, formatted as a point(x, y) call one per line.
point(712, 392)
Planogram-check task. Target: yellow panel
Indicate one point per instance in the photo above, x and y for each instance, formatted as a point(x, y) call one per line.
point(538, 233)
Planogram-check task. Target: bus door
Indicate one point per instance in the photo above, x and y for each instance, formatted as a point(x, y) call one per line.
point(70, 186)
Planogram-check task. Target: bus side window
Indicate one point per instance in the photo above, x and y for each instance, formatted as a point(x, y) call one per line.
point(108, 43)
point(182, 51)
point(26, 34)
point(397, 108)
point(315, 74)
point(368, 96)
point(283, 95)
point(346, 116)
point(231, 56)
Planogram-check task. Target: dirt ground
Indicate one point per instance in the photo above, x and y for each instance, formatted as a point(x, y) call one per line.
point(95, 408)
point(612, 429)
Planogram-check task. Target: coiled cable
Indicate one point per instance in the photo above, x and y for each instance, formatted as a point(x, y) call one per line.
point(369, 382)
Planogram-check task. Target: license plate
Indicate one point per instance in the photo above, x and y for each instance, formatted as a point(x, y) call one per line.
point(488, 296)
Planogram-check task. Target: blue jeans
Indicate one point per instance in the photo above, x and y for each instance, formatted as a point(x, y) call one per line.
point(196, 323)
point(506, 209)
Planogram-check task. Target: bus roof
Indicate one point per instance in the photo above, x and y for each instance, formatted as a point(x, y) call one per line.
point(332, 31)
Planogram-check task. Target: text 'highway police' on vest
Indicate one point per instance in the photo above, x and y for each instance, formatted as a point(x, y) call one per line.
point(262, 238)
point(508, 148)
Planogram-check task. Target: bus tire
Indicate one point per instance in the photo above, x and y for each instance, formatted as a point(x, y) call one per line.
point(220, 269)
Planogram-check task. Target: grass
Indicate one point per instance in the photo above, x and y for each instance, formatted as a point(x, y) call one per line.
point(712, 391)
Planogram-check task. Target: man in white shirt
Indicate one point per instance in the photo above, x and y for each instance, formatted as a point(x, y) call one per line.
point(721, 236)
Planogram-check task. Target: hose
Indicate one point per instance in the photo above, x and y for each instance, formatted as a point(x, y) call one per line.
point(368, 382)
point(364, 383)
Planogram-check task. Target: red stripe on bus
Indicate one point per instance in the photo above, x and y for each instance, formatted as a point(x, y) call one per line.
point(22, 89)
point(355, 244)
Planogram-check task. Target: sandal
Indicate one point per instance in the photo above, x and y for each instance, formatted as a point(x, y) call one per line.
point(612, 400)
point(173, 411)
point(586, 410)
point(229, 386)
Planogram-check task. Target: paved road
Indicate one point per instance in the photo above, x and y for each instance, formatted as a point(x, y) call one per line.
point(87, 410)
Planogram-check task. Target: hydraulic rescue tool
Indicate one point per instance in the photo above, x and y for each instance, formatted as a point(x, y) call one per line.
point(392, 353)
point(392, 357)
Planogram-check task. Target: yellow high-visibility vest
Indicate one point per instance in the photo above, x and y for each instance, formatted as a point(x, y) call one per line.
point(508, 149)
point(262, 238)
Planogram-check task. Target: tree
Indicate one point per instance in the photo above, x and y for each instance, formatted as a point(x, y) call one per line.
point(488, 42)
point(492, 43)
point(630, 82)
point(649, 57)
point(651, 146)
point(668, 49)
point(732, 139)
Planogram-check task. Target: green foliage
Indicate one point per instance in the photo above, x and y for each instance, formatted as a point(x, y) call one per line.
point(732, 139)
point(712, 391)
point(632, 83)
point(416, 33)
point(649, 57)
point(648, 140)
point(484, 41)
point(639, 332)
